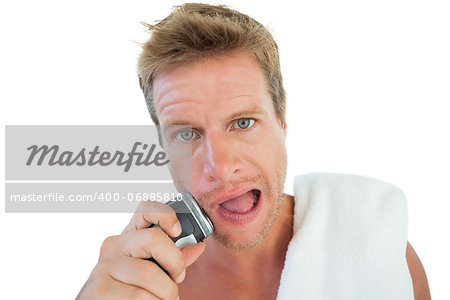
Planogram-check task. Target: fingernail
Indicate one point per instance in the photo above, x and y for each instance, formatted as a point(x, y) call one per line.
point(177, 229)
point(181, 277)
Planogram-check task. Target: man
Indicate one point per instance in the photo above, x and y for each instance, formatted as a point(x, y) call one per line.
point(216, 71)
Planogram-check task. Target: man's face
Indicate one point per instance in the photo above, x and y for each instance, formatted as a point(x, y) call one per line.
point(238, 144)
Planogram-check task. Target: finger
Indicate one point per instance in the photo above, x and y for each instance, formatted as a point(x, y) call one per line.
point(134, 292)
point(192, 252)
point(152, 212)
point(145, 275)
point(153, 242)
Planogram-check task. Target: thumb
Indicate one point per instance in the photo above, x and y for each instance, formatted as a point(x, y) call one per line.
point(192, 252)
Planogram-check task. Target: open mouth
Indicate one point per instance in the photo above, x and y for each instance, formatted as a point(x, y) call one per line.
point(243, 203)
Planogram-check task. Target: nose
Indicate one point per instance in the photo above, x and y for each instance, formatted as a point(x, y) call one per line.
point(221, 158)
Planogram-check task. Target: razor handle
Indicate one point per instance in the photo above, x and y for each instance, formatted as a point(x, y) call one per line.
point(195, 224)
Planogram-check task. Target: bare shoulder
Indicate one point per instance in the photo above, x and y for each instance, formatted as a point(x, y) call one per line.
point(419, 278)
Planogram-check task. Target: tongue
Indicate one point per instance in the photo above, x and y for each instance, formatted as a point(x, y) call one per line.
point(240, 204)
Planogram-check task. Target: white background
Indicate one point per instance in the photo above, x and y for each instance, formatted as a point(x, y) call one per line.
point(368, 93)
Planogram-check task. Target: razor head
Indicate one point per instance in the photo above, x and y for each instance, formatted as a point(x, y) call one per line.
point(195, 223)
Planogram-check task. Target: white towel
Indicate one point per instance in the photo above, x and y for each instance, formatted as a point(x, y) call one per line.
point(349, 242)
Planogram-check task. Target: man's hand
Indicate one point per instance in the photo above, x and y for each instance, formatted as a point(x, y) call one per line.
point(122, 271)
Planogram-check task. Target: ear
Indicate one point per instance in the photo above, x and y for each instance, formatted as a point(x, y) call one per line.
point(284, 117)
point(160, 136)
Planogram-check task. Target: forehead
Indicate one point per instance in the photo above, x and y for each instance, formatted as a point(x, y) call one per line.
point(211, 82)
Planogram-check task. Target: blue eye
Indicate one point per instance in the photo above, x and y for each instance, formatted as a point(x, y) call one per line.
point(185, 135)
point(243, 123)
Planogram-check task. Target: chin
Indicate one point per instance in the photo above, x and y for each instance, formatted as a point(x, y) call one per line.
point(236, 242)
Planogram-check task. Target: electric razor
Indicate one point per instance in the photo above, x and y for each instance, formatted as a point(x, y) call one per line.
point(195, 224)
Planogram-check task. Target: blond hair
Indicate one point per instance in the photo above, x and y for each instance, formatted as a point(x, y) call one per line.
point(195, 31)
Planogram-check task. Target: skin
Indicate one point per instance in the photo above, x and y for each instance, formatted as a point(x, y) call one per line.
point(419, 278)
point(210, 95)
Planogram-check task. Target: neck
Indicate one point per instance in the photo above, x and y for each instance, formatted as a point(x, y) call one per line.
point(269, 255)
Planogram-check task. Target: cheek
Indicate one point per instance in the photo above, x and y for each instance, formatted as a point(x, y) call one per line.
point(271, 150)
point(180, 167)
point(274, 166)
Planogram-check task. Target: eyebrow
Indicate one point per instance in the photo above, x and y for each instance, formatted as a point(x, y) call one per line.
point(252, 111)
point(176, 123)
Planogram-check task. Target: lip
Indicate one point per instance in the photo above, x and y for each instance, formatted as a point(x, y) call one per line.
point(239, 219)
point(229, 195)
